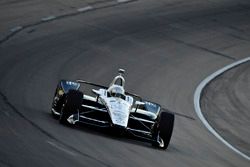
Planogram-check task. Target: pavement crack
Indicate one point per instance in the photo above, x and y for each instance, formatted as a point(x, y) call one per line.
point(203, 49)
point(182, 115)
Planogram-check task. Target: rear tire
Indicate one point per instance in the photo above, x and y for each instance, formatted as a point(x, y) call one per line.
point(72, 104)
point(163, 129)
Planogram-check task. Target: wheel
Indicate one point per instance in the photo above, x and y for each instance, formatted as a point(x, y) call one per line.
point(56, 105)
point(163, 130)
point(72, 103)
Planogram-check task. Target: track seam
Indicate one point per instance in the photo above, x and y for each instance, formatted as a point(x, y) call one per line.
point(197, 97)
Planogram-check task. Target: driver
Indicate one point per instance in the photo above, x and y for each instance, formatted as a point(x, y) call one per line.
point(117, 91)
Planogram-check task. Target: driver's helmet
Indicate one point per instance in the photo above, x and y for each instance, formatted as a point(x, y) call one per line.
point(117, 91)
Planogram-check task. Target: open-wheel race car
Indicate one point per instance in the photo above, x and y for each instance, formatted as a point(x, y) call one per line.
point(113, 107)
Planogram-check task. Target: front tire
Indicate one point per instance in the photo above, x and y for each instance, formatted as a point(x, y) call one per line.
point(71, 105)
point(56, 104)
point(163, 130)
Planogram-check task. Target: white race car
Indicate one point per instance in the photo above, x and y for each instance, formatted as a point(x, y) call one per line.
point(113, 107)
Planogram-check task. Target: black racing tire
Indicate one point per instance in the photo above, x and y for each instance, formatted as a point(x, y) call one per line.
point(72, 103)
point(52, 107)
point(164, 127)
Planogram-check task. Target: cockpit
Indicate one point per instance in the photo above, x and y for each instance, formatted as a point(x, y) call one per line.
point(116, 88)
point(117, 91)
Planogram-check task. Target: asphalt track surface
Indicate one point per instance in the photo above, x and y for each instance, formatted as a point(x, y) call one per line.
point(167, 49)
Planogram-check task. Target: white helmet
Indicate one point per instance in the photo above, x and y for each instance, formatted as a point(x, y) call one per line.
point(116, 91)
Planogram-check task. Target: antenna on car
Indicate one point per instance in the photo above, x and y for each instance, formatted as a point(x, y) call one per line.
point(121, 71)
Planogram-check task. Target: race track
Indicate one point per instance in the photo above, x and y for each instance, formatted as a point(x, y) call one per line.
point(167, 48)
point(225, 103)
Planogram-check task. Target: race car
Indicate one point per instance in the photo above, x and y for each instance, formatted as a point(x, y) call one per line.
point(113, 107)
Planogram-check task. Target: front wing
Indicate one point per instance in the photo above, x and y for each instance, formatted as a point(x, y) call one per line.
point(93, 113)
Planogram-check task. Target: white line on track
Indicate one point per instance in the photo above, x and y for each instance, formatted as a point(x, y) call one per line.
point(61, 148)
point(48, 18)
point(17, 28)
point(197, 97)
point(84, 9)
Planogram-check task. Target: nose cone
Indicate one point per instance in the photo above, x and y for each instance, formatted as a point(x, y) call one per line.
point(120, 117)
point(119, 112)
